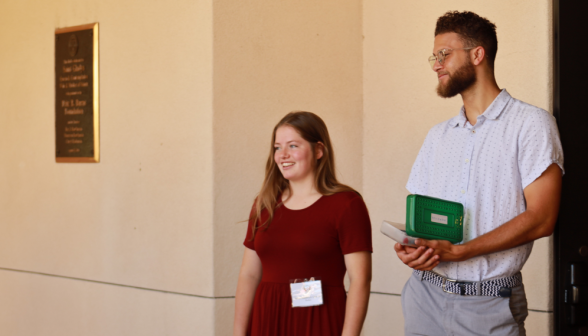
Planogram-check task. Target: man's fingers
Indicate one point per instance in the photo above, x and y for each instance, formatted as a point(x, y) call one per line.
point(405, 248)
point(429, 264)
point(424, 257)
point(409, 257)
point(421, 258)
point(435, 244)
point(421, 242)
point(431, 267)
point(409, 249)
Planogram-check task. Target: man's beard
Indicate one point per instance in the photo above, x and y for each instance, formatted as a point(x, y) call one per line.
point(459, 81)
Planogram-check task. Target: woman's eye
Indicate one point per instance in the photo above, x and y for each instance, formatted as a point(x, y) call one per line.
point(276, 148)
point(293, 146)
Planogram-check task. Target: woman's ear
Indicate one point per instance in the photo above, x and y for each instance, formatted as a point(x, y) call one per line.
point(319, 150)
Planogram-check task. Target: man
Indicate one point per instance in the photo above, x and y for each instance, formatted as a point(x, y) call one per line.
point(502, 159)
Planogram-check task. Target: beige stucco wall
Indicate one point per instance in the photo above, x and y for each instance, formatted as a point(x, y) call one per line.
point(152, 213)
point(189, 95)
point(142, 216)
point(400, 106)
point(43, 305)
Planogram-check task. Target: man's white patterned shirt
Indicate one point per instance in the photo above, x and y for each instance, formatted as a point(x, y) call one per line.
point(486, 167)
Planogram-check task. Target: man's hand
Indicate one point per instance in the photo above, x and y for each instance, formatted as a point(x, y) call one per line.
point(429, 253)
point(421, 258)
point(445, 250)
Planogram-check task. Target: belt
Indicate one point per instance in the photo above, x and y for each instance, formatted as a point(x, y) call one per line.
point(496, 287)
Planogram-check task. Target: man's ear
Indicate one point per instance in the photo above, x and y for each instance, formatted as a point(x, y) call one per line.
point(478, 55)
point(319, 150)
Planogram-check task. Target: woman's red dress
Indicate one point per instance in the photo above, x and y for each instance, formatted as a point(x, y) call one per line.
point(306, 243)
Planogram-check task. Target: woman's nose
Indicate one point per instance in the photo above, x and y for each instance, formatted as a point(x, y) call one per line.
point(285, 153)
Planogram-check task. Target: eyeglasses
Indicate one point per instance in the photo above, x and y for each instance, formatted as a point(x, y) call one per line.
point(441, 54)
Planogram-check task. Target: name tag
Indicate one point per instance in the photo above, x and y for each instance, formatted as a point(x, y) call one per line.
point(306, 293)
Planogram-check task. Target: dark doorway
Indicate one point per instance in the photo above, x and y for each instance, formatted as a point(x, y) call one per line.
point(570, 107)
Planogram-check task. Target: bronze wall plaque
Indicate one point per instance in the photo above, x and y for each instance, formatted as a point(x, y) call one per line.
point(77, 117)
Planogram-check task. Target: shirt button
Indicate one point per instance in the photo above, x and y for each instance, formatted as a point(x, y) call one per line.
point(463, 191)
point(474, 131)
point(467, 160)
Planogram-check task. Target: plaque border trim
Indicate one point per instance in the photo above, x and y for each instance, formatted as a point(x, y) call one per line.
point(96, 94)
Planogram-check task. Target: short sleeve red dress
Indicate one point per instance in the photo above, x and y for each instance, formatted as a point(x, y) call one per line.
point(306, 243)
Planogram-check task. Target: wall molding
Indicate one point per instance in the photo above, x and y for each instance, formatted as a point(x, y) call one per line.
point(115, 284)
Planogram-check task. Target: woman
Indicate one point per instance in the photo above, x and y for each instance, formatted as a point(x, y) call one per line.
point(304, 224)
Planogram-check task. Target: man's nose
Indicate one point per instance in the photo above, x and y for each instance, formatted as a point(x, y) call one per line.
point(437, 66)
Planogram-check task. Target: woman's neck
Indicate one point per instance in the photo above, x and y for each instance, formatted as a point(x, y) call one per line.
point(300, 195)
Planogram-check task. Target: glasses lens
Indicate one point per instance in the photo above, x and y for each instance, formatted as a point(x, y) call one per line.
point(441, 56)
point(432, 60)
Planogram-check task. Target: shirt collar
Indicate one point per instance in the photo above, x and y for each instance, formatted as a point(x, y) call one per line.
point(459, 119)
point(492, 112)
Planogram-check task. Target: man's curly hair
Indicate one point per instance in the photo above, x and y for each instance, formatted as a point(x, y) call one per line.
point(473, 29)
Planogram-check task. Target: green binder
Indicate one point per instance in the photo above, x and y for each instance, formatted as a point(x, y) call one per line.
point(434, 218)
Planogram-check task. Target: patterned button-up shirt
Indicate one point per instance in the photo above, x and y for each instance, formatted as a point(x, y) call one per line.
point(486, 167)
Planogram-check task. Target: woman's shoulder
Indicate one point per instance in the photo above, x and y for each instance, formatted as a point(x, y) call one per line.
point(348, 210)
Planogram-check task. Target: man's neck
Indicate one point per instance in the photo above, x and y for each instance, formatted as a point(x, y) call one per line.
point(477, 98)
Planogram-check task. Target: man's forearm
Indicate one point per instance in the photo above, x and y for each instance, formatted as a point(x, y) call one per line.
point(537, 221)
point(524, 228)
point(542, 197)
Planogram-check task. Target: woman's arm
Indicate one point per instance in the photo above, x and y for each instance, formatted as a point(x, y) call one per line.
point(249, 278)
point(359, 267)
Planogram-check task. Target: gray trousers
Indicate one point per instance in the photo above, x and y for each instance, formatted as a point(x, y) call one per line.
point(428, 310)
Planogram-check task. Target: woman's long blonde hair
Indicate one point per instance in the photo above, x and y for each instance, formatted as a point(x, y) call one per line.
point(312, 129)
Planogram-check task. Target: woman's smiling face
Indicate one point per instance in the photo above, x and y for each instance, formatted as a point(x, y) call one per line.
point(293, 155)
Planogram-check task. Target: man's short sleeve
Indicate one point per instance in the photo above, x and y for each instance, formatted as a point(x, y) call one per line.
point(418, 182)
point(539, 146)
